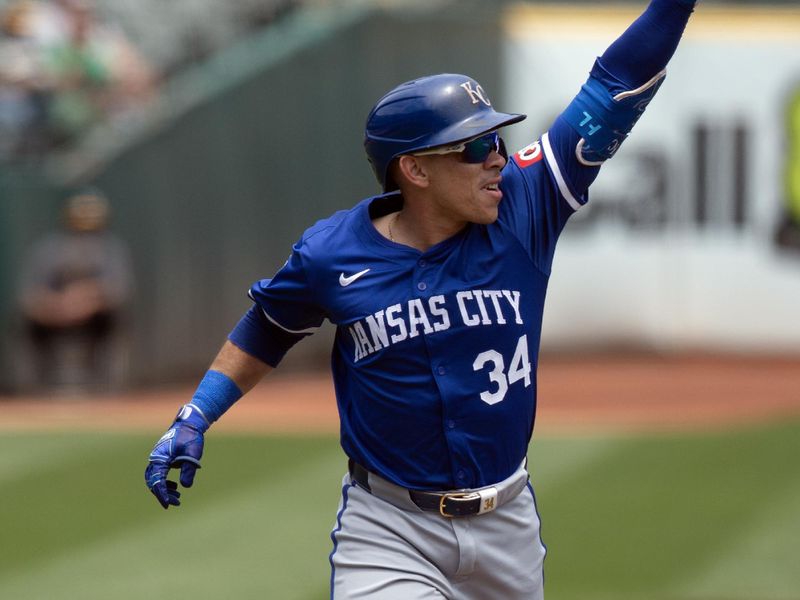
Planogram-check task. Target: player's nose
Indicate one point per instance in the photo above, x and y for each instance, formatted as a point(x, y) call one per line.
point(495, 160)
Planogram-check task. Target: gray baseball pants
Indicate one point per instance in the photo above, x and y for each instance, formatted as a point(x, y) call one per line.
point(387, 548)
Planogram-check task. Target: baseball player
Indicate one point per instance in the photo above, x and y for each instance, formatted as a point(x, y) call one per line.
point(437, 288)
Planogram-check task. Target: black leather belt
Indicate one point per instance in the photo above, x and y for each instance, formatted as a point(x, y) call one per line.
point(447, 504)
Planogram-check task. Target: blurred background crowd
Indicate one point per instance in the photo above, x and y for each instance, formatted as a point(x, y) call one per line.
point(66, 65)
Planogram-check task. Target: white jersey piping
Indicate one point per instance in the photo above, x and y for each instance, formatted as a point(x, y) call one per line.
point(562, 184)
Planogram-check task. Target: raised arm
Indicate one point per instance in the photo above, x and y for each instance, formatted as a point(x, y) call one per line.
point(621, 84)
point(624, 80)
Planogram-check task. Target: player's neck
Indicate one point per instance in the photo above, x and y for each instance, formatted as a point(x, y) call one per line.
point(418, 229)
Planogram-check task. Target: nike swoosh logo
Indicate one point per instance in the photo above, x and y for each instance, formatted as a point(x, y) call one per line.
point(345, 281)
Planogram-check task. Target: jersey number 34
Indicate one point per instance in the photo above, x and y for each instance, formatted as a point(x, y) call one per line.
point(518, 370)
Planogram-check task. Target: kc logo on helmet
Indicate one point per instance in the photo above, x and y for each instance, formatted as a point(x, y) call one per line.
point(476, 94)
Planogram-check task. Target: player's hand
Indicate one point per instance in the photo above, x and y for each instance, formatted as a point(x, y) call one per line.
point(181, 446)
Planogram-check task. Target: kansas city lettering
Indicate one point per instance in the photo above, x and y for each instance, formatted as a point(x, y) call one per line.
point(427, 316)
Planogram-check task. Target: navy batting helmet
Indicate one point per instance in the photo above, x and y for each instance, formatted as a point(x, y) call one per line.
point(425, 113)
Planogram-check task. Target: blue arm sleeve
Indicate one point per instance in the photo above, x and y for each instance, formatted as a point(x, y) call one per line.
point(257, 336)
point(648, 44)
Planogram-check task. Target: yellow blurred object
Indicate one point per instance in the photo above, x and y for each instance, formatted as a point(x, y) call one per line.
point(793, 157)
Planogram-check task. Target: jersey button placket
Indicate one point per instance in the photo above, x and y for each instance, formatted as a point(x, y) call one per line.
point(421, 285)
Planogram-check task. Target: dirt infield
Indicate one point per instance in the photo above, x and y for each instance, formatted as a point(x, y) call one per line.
point(576, 395)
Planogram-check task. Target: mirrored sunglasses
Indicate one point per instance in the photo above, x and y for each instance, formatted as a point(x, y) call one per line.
point(473, 151)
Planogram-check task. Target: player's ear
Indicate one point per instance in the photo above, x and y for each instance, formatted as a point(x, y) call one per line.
point(412, 170)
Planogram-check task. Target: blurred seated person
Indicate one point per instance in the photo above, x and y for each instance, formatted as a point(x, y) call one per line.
point(73, 295)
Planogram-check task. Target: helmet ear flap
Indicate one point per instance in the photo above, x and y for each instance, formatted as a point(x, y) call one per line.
point(425, 113)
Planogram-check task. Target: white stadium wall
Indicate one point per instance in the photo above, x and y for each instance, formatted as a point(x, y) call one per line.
point(676, 249)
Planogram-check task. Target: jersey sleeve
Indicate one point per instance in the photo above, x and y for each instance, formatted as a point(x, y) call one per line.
point(543, 186)
point(288, 305)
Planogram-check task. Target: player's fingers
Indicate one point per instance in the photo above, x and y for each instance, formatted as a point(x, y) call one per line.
point(188, 470)
point(172, 489)
point(161, 493)
point(155, 475)
point(167, 494)
point(173, 493)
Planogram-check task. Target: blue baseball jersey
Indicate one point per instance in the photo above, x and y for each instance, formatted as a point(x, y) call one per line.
point(435, 354)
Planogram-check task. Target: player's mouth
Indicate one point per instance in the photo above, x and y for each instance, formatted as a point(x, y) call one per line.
point(493, 188)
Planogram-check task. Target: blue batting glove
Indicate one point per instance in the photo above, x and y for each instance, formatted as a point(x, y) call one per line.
point(181, 446)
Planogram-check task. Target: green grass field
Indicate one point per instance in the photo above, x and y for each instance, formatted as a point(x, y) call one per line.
point(665, 517)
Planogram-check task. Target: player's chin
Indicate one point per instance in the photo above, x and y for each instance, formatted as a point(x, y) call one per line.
point(486, 216)
point(490, 203)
